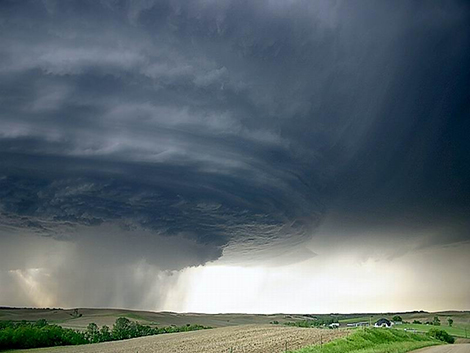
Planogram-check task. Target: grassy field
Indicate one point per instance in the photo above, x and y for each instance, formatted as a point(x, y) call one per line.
point(374, 341)
point(456, 331)
point(244, 338)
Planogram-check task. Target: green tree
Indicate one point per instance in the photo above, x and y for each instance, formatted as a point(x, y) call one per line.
point(436, 321)
point(93, 333)
point(450, 321)
point(105, 334)
point(75, 314)
point(122, 329)
point(397, 318)
point(441, 335)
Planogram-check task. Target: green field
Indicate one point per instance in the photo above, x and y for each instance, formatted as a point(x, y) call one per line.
point(457, 331)
point(374, 341)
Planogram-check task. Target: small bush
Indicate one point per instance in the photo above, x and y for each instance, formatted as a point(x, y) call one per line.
point(441, 335)
point(75, 314)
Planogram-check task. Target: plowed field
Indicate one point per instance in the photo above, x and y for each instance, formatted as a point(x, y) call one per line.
point(246, 338)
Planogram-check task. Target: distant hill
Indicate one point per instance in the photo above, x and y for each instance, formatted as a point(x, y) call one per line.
point(66, 317)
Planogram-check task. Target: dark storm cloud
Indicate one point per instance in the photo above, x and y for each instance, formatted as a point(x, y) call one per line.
point(234, 123)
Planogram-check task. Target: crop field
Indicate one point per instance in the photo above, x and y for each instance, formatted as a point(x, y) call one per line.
point(245, 338)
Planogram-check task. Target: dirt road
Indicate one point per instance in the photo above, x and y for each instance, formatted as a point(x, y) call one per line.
point(451, 348)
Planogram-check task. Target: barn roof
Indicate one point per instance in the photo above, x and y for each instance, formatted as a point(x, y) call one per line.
point(383, 321)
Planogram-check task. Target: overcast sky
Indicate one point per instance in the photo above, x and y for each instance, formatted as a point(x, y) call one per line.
point(225, 156)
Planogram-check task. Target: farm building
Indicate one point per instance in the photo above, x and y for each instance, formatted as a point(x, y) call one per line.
point(383, 323)
point(334, 325)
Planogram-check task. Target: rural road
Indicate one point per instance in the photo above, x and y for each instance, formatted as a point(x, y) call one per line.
point(451, 348)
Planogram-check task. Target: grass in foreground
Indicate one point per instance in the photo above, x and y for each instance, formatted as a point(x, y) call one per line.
point(374, 341)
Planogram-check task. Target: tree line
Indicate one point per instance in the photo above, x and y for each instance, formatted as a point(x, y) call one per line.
point(42, 334)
